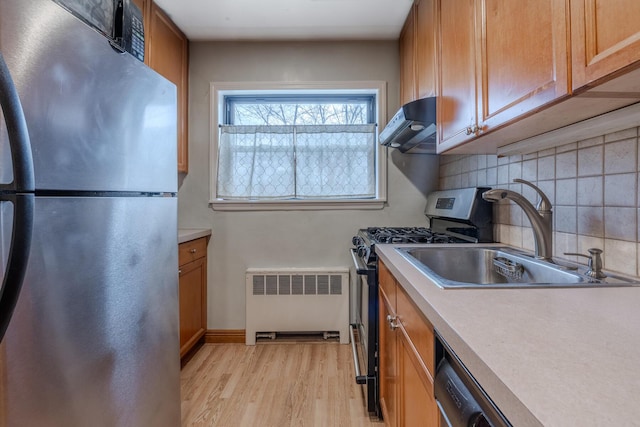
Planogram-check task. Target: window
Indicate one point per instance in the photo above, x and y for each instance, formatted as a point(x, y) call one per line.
point(308, 147)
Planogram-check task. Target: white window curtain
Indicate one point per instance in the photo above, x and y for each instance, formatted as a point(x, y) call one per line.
point(296, 162)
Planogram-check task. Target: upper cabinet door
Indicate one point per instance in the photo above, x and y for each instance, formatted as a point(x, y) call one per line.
point(408, 59)
point(168, 52)
point(605, 38)
point(456, 104)
point(426, 37)
point(522, 62)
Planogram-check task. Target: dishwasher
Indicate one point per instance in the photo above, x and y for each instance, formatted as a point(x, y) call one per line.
point(460, 399)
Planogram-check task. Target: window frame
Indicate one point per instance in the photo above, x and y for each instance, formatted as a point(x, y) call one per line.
point(218, 90)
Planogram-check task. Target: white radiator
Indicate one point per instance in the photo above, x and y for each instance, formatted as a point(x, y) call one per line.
point(297, 300)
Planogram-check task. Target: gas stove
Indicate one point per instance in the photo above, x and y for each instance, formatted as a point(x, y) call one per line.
point(367, 238)
point(455, 216)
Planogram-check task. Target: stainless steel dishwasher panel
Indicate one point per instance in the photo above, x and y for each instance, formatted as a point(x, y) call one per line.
point(461, 400)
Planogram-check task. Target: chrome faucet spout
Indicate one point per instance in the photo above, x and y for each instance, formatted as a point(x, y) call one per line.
point(540, 217)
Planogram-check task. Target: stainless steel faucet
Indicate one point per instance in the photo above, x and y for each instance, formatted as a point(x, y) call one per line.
point(540, 216)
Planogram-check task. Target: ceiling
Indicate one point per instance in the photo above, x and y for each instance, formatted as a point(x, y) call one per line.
point(288, 19)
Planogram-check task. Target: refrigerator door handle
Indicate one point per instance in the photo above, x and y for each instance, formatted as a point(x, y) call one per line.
point(23, 207)
point(21, 157)
point(14, 192)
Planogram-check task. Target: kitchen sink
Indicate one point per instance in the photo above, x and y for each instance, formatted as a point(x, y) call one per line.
point(501, 267)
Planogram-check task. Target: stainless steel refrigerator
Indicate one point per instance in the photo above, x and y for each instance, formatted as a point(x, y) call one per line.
point(88, 228)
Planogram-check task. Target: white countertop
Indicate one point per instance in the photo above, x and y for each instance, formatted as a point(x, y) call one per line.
point(552, 357)
point(186, 234)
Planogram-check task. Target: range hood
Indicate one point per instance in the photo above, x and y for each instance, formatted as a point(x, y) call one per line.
point(413, 128)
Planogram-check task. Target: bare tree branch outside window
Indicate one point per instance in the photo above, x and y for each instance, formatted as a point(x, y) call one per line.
point(299, 114)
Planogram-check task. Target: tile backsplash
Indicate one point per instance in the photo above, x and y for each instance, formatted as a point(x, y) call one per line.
point(593, 187)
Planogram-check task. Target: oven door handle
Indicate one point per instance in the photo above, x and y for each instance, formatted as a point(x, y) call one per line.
point(361, 267)
point(360, 379)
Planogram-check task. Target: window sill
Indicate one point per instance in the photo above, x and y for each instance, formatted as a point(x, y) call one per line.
point(295, 205)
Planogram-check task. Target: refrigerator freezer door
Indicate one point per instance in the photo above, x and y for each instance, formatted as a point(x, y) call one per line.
point(94, 337)
point(98, 120)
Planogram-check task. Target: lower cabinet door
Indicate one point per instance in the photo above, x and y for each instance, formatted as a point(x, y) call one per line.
point(193, 279)
point(388, 365)
point(418, 406)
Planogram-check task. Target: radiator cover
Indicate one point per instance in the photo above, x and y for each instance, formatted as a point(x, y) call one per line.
point(297, 300)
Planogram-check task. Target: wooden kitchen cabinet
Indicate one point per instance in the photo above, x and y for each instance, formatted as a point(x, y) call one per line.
point(522, 50)
point(418, 52)
point(418, 330)
point(498, 64)
point(388, 369)
point(408, 87)
point(506, 71)
point(416, 358)
point(456, 103)
point(418, 405)
point(406, 358)
point(167, 52)
point(192, 257)
point(426, 45)
point(388, 347)
point(605, 38)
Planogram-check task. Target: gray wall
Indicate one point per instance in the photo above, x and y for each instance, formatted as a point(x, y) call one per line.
point(287, 238)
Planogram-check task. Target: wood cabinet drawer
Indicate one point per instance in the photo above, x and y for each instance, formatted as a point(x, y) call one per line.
point(192, 250)
point(387, 284)
point(418, 328)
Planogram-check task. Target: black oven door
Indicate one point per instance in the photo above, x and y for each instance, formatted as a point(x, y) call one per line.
point(364, 327)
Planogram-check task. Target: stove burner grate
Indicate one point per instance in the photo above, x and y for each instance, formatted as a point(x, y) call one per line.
point(407, 235)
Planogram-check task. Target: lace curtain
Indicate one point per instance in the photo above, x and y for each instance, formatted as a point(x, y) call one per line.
point(296, 162)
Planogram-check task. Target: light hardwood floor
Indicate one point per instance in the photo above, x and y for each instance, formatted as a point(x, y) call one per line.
point(272, 385)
